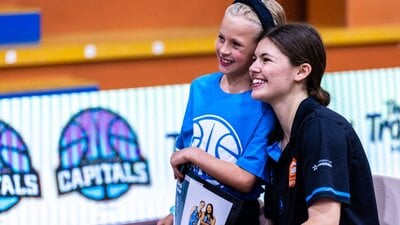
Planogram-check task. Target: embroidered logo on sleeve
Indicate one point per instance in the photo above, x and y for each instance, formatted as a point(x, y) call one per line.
point(292, 172)
point(322, 162)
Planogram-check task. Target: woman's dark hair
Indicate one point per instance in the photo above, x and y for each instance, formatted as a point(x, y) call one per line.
point(301, 43)
point(211, 214)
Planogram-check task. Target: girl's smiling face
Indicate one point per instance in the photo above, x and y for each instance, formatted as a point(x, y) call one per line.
point(236, 42)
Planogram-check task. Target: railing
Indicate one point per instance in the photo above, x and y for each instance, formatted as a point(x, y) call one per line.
point(139, 44)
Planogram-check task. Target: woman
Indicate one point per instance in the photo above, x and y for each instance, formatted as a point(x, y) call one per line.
point(208, 217)
point(320, 172)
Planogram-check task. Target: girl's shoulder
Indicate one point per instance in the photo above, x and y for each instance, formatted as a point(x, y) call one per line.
point(210, 77)
point(208, 81)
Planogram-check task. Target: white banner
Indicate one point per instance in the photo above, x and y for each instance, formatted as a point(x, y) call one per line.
point(103, 157)
point(100, 157)
point(370, 100)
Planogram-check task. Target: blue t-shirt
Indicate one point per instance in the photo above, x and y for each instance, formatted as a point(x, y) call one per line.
point(231, 127)
point(195, 216)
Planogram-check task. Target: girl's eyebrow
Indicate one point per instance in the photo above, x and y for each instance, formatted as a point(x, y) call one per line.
point(238, 41)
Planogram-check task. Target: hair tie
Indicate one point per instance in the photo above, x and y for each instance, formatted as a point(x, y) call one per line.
point(263, 14)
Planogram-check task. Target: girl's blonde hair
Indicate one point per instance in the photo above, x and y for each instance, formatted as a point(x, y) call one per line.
point(276, 10)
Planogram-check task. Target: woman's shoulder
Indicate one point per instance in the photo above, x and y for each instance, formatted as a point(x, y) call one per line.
point(312, 115)
point(310, 109)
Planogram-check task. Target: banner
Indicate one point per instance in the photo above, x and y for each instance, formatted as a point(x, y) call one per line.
point(89, 158)
point(370, 101)
point(102, 157)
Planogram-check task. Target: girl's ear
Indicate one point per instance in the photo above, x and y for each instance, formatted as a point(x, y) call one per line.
point(303, 71)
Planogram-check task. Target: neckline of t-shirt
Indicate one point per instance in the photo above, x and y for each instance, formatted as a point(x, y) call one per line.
point(221, 91)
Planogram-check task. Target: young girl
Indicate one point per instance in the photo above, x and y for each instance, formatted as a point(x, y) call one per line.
point(224, 131)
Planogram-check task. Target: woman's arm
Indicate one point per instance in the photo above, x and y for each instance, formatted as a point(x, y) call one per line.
point(268, 222)
point(213, 221)
point(201, 220)
point(221, 170)
point(324, 211)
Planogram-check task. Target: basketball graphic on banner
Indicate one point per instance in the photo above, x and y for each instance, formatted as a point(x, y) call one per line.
point(15, 163)
point(102, 148)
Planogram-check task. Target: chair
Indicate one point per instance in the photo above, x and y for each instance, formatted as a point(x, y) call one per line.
point(387, 193)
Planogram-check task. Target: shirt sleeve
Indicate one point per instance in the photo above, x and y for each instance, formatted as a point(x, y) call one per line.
point(324, 151)
point(255, 155)
point(183, 139)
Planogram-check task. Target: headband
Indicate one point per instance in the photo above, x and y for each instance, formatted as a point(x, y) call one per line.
point(263, 14)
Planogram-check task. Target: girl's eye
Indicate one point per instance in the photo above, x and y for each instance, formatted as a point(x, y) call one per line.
point(220, 38)
point(236, 45)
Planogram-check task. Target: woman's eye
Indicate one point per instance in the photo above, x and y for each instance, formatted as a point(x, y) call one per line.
point(265, 60)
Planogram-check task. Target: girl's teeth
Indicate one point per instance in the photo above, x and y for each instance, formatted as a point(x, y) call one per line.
point(226, 61)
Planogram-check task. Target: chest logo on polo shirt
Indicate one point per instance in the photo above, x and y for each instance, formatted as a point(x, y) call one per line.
point(322, 162)
point(292, 172)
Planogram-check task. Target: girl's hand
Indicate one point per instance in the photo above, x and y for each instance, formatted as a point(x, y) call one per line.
point(179, 159)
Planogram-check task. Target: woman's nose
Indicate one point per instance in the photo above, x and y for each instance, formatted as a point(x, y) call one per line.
point(254, 67)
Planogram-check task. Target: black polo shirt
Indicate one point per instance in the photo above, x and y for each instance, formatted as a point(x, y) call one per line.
point(323, 159)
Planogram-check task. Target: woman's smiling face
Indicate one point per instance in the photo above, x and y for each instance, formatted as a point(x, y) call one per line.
point(271, 72)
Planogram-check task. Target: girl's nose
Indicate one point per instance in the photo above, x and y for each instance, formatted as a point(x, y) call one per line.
point(224, 49)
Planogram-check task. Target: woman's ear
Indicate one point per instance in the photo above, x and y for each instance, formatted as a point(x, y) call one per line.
point(303, 71)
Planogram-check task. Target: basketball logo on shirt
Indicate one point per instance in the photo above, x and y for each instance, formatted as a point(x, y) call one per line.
point(217, 137)
point(292, 172)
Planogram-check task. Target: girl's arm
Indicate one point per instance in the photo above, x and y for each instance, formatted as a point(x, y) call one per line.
point(225, 172)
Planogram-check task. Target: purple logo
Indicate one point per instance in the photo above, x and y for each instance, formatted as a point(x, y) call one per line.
point(18, 179)
point(99, 156)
